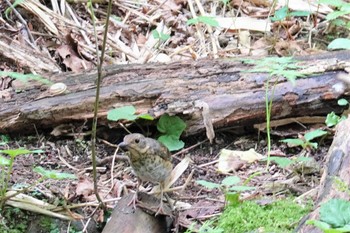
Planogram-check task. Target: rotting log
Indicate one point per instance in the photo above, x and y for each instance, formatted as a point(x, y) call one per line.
point(234, 98)
point(337, 166)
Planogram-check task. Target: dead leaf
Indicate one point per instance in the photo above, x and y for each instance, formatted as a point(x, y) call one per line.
point(244, 42)
point(72, 60)
point(201, 209)
point(288, 48)
point(232, 160)
point(260, 47)
point(85, 187)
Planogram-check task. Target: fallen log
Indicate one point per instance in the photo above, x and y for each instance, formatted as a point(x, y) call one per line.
point(234, 97)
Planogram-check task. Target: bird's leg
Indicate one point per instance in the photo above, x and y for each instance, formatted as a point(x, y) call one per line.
point(169, 201)
point(162, 193)
point(160, 207)
point(134, 198)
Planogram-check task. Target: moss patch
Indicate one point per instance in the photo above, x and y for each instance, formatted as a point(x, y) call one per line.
point(280, 216)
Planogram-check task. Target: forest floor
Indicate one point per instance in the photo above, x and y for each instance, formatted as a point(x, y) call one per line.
point(59, 36)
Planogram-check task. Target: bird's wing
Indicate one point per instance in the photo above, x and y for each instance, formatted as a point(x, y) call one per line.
point(158, 149)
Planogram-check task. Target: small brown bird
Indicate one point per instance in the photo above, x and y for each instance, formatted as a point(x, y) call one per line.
point(150, 160)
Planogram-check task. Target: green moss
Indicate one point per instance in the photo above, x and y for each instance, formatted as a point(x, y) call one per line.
point(280, 216)
point(13, 220)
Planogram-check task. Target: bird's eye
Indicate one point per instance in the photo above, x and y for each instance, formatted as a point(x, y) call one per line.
point(137, 140)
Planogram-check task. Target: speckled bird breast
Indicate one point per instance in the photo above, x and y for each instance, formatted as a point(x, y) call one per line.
point(152, 168)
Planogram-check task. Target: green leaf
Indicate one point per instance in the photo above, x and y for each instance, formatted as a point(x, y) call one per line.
point(9, 9)
point(346, 228)
point(280, 14)
point(303, 159)
point(300, 13)
point(146, 117)
point(336, 3)
point(342, 229)
point(160, 35)
point(311, 144)
point(332, 119)
point(208, 20)
point(232, 198)
point(204, 19)
point(342, 102)
point(171, 142)
point(281, 162)
point(15, 152)
point(207, 184)
point(335, 212)
point(335, 14)
point(53, 174)
point(25, 77)
point(4, 161)
point(192, 21)
point(171, 125)
point(345, 7)
point(293, 141)
point(116, 18)
point(339, 43)
point(230, 180)
point(239, 188)
point(126, 112)
point(314, 134)
point(339, 22)
point(319, 224)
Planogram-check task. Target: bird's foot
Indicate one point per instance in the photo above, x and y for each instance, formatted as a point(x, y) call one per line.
point(133, 201)
point(160, 208)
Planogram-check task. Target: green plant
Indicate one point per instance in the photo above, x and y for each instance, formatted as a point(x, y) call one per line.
point(7, 166)
point(208, 226)
point(160, 35)
point(25, 77)
point(126, 113)
point(171, 127)
point(9, 9)
point(229, 187)
point(4, 139)
point(332, 118)
point(13, 220)
point(284, 13)
point(210, 20)
point(341, 185)
point(49, 174)
point(276, 67)
point(305, 142)
point(342, 8)
point(334, 216)
point(284, 162)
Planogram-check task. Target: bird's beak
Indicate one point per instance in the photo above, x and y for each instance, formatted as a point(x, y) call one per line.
point(123, 145)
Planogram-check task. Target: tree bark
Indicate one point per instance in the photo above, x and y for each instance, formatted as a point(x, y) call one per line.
point(234, 96)
point(337, 166)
